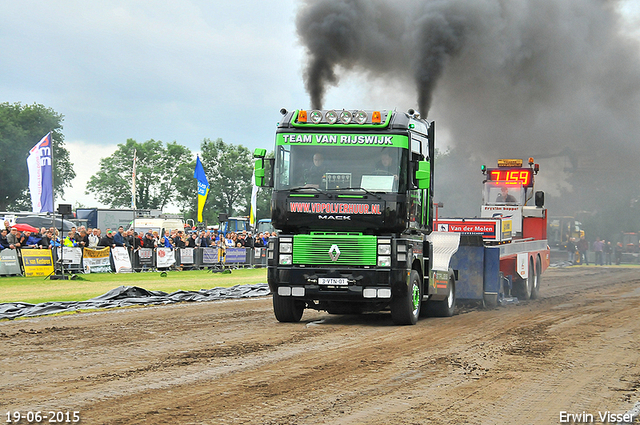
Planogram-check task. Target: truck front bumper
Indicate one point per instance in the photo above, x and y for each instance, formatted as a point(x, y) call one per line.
point(362, 285)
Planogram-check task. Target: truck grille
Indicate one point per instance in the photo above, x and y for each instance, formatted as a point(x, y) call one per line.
point(354, 249)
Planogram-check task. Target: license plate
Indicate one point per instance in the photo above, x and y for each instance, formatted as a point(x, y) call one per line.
point(333, 281)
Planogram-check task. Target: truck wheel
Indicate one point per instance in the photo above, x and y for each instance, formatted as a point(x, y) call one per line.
point(535, 290)
point(446, 307)
point(287, 309)
point(405, 310)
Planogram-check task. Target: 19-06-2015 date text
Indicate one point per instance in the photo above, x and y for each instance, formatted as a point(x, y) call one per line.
point(50, 416)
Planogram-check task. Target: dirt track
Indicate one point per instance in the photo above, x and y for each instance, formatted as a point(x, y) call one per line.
point(576, 349)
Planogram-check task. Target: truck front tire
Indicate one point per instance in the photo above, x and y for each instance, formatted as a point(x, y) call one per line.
point(287, 309)
point(405, 309)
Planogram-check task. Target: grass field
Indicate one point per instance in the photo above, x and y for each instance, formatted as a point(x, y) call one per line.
point(36, 289)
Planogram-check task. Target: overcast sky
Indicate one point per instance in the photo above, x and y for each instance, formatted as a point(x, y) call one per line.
point(180, 70)
point(165, 70)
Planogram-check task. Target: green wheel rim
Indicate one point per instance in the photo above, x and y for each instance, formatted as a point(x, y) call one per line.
point(416, 297)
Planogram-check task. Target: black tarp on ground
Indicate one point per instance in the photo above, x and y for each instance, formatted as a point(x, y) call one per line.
point(124, 296)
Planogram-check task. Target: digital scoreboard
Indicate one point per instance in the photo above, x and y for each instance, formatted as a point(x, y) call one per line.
point(511, 176)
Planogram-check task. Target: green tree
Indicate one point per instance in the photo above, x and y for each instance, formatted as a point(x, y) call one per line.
point(161, 173)
point(21, 127)
point(229, 169)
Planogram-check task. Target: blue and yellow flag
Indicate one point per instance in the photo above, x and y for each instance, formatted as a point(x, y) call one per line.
point(203, 187)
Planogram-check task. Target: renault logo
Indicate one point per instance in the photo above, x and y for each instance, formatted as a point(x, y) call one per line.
point(334, 252)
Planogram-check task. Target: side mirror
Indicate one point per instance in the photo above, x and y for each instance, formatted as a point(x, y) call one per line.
point(259, 154)
point(539, 199)
point(423, 175)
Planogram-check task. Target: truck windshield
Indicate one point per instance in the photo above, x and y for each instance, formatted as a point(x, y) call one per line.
point(376, 169)
point(498, 193)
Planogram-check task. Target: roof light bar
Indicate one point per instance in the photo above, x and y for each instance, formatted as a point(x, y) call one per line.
point(331, 116)
point(345, 117)
point(315, 116)
point(360, 117)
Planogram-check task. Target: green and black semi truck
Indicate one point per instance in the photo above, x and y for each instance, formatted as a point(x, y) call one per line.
point(352, 201)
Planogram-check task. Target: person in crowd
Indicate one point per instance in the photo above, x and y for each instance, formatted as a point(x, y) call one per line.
point(107, 240)
point(571, 250)
point(583, 248)
point(94, 239)
point(204, 240)
point(178, 240)
point(31, 240)
point(229, 240)
point(130, 239)
point(598, 248)
point(3, 240)
point(608, 250)
point(82, 238)
point(156, 237)
point(191, 240)
point(45, 240)
point(7, 226)
point(70, 240)
point(249, 242)
point(118, 237)
point(149, 241)
point(241, 241)
point(55, 239)
point(619, 250)
point(14, 238)
point(167, 242)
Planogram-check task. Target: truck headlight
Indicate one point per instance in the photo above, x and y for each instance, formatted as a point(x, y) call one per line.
point(285, 259)
point(286, 248)
point(384, 261)
point(384, 249)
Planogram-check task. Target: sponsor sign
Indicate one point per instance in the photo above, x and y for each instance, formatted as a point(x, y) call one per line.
point(145, 256)
point(505, 211)
point(9, 263)
point(70, 255)
point(186, 255)
point(351, 208)
point(121, 260)
point(490, 229)
point(164, 257)
point(210, 255)
point(37, 262)
point(96, 260)
point(236, 255)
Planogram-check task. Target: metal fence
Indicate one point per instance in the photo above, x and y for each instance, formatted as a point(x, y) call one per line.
point(86, 260)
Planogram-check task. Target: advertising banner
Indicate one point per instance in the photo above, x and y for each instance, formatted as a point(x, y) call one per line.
point(9, 263)
point(164, 257)
point(37, 262)
point(70, 255)
point(209, 255)
point(145, 257)
point(186, 255)
point(97, 260)
point(236, 255)
point(121, 260)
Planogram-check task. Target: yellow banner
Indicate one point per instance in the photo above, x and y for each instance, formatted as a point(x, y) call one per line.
point(37, 262)
point(95, 253)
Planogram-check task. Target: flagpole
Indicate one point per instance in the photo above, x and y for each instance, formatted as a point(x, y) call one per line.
point(133, 181)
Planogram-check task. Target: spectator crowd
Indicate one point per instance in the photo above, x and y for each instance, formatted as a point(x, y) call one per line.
point(12, 238)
